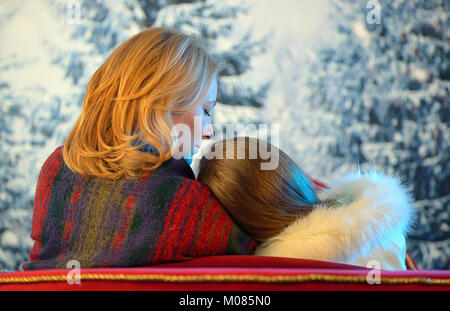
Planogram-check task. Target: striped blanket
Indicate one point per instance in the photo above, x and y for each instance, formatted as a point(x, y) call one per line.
point(164, 216)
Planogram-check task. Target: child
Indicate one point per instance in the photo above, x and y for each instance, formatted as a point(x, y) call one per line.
point(360, 217)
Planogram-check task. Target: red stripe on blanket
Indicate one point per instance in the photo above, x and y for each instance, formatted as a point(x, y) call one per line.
point(206, 226)
point(51, 168)
point(124, 224)
point(184, 207)
point(163, 243)
point(191, 227)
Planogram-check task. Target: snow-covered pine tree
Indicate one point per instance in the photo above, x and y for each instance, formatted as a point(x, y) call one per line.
point(389, 85)
point(241, 91)
point(10, 191)
point(29, 113)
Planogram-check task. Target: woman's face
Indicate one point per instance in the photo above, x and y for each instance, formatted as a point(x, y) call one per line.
point(203, 115)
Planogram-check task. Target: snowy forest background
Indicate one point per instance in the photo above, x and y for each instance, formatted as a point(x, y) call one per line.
point(344, 92)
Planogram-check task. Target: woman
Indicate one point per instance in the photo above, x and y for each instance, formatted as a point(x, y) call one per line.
point(360, 217)
point(118, 193)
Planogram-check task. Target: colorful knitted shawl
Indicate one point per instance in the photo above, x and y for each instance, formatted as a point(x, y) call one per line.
point(164, 216)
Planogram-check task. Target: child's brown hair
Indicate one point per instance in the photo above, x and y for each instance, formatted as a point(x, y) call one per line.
point(262, 202)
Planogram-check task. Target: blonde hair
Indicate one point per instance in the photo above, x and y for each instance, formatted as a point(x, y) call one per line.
point(129, 103)
point(262, 202)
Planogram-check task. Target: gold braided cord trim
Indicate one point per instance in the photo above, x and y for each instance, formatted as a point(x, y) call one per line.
point(228, 278)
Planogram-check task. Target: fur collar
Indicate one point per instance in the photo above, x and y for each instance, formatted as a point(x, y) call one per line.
point(371, 223)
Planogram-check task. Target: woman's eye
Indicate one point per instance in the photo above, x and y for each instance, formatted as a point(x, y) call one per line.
point(208, 113)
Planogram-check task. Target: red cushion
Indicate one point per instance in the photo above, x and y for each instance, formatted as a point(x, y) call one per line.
point(229, 273)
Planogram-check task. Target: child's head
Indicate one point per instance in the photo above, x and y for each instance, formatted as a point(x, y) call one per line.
point(262, 202)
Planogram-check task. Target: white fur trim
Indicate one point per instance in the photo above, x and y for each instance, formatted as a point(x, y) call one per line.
point(372, 226)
